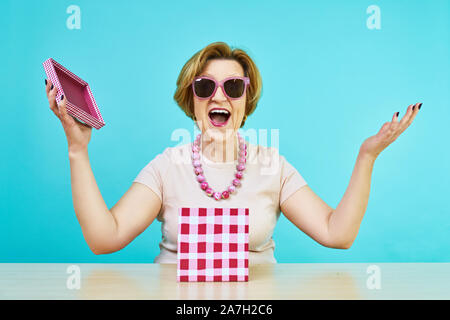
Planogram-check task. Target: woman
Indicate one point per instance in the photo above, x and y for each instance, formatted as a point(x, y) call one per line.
point(218, 88)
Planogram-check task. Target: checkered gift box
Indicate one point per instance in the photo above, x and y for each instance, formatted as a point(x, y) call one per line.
point(212, 244)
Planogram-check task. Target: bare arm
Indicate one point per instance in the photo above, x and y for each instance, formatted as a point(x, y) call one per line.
point(338, 228)
point(333, 228)
point(344, 222)
point(309, 213)
point(98, 225)
point(106, 230)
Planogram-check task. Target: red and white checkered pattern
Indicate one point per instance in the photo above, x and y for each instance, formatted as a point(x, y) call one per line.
point(93, 118)
point(213, 244)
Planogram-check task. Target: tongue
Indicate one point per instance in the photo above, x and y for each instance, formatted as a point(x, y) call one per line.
point(219, 118)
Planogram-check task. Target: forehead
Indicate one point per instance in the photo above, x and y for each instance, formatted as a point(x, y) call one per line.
point(221, 69)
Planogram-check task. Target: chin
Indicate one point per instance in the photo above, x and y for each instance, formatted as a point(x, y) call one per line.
point(219, 133)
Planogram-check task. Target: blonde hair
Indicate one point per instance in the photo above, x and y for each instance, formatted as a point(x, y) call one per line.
point(195, 66)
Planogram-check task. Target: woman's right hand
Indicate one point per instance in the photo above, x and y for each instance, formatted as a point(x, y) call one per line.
point(78, 134)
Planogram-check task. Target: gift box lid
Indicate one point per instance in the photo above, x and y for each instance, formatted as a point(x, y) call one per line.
point(80, 101)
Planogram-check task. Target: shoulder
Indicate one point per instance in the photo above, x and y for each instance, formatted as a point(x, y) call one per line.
point(268, 159)
point(180, 154)
point(263, 154)
point(166, 159)
point(169, 155)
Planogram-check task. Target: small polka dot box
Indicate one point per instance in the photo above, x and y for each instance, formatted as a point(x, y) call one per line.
point(212, 244)
point(79, 99)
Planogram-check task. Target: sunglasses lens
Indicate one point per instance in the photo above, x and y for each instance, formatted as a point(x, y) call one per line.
point(204, 87)
point(234, 88)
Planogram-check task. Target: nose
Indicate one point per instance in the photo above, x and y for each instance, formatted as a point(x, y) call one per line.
point(219, 95)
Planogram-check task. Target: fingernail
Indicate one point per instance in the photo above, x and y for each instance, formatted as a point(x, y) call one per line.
point(414, 106)
point(398, 114)
point(51, 87)
point(420, 105)
point(45, 81)
point(62, 97)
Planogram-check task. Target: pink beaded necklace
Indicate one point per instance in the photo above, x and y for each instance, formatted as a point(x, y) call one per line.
point(200, 175)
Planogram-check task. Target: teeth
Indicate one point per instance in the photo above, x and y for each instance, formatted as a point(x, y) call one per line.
point(220, 111)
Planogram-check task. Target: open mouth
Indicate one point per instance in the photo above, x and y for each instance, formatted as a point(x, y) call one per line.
point(219, 117)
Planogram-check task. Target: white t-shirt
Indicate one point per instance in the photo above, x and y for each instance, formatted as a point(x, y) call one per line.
point(268, 181)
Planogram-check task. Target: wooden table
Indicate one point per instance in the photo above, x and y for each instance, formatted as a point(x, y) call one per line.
point(270, 281)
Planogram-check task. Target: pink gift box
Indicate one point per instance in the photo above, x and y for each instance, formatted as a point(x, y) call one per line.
point(212, 244)
point(79, 99)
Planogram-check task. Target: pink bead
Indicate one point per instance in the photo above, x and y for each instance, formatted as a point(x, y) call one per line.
point(198, 170)
point(239, 175)
point(231, 189)
point(195, 148)
point(200, 178)
point(217, 195)
point(196, 163)
point(225, 194)
point(242, 160)
point(195, 155)
point(240, 167)
point(236, 182)
point(242, 153)
point(209, 191)
point(204, 185)
point(243, 146)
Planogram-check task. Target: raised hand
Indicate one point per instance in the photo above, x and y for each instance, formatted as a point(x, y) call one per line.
point(389, 132)
point(78, 134)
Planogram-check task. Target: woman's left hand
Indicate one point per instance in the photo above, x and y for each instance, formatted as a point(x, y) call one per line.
point(389, 132)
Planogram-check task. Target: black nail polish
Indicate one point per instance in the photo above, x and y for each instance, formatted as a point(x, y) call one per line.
point(62, 97)
point(420, 105)
point(414, 106)
point(51, 87)
point(398, 114)
point(45, 81)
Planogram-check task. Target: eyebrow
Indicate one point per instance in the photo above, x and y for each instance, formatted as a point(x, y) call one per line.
point(209, 75)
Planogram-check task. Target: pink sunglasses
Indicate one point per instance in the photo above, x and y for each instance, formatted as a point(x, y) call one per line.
point(233, 87)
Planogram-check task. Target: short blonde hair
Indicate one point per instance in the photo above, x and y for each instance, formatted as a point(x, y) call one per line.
point(195, 66)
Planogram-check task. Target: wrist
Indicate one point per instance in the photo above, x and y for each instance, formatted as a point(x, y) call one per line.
point(367, 156)
point(77, 152)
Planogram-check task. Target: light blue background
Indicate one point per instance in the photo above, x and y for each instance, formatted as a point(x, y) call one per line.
point(329, 83)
